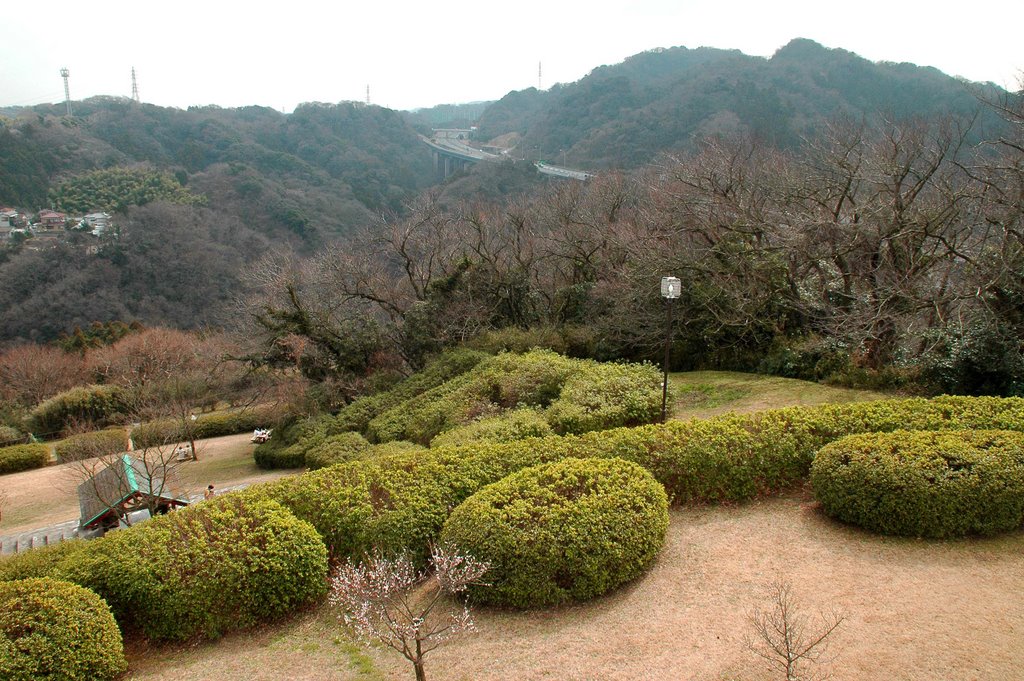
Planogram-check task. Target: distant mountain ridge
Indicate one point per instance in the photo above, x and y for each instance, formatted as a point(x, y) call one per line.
point(624, 115)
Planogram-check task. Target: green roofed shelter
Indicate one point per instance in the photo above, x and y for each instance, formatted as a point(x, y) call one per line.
point(124, 485)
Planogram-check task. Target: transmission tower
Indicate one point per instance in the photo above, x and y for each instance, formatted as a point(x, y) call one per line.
point(135, 87)
point(540, 85)
point(367, 95)
point(67, 92)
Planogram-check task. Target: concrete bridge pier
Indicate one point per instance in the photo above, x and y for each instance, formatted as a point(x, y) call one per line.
point(445, 166)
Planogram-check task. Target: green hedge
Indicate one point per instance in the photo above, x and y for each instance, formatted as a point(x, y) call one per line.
point(400, 502)
point(576, 396)
point(93, 405)
point(215, 566)
point(213, 424)
point(391, 503)
point(924, 484)
point(513, 425)
point(357, 415)
point(607, 395)
point(23, 457)
point(288, 445)
point(51, 629)
point(336, 449)
point(40, 562)
point(565, 531)
point(88, 445)
point(393, 447)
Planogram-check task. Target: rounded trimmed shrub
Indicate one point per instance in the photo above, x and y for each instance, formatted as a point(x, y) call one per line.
point(224, 564)
point(603, 395)
point(23, 457)
point(924, 484)
point(51, 629)
point(517, 424)
point(40, 561)
point(95, 405)
point(391, 503)
point(336, 449)
point(88, 445)
point(565, 531)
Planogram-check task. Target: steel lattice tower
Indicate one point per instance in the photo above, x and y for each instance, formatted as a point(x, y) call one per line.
point(135, 87)
point(67, 91)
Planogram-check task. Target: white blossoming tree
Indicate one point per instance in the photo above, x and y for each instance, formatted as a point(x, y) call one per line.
point(412, 611)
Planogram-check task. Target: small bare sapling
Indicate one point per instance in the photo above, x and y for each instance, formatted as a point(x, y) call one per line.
point(787, 639)
point(412, 611)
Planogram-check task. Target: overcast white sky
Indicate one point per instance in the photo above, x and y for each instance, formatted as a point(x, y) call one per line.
point(415, 54)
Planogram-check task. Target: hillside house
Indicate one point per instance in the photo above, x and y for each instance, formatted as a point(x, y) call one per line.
point(11, 219)
point(50, 220)
point(98, 223)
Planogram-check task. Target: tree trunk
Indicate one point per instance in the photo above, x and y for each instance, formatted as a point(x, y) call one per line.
point(421, 675)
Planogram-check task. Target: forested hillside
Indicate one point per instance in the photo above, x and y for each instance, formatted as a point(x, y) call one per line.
point(196, 196)
point(306, 178)
point(624, 115)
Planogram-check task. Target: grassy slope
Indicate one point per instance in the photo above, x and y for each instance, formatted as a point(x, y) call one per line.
point(700, 394)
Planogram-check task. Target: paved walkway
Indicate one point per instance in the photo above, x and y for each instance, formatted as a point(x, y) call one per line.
point(54, 534)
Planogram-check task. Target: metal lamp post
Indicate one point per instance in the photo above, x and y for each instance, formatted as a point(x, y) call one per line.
point(670, 288)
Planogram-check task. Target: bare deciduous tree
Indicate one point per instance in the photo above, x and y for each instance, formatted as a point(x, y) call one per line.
point(786, 638)
point(31, 373)
point(116, 484)
point(409, 610)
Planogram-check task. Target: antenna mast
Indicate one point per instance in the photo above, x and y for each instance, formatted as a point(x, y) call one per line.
point(135, 87)
point(67, 92)
point(367, 94)
point(539, 82)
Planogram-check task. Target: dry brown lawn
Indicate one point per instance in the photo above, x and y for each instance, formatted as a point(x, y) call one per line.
point(915, 610)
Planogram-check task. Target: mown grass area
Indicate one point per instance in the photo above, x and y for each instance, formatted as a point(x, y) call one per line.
point(700, 394)
point(312, 645)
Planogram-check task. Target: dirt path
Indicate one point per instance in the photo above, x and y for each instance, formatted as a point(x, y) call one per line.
point(47, 496)
point(915, 610)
